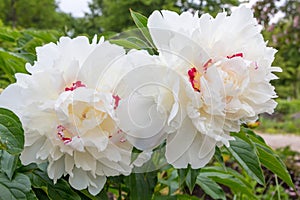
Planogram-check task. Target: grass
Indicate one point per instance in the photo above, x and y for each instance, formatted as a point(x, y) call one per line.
point(285, 119)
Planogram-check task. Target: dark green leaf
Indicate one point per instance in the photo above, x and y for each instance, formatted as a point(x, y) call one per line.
point(31, 196)
point(101, 196)
point(15, 189)
point(210, 187)
point(40, 194)
point(11, 132)
point(8, 164)
point(186, 197)
point(160, 197)
point(244, 152)
point(60, 190)
point(141, 185)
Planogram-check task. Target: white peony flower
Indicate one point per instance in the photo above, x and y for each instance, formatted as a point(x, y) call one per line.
point(68, 118)
point(150, 101)
point(228, 65)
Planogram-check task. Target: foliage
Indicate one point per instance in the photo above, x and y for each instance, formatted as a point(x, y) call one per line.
point(287, 107)
point(208, 6)
point(113, 15)
point(285, 37)
point(285, 119)
point(18, 48)
point(40, 14)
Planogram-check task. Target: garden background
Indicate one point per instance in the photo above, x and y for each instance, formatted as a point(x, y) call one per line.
point(26, 24)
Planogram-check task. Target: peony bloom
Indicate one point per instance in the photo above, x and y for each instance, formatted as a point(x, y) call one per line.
point(151, 94)
point(69, 118)
point(228, 66)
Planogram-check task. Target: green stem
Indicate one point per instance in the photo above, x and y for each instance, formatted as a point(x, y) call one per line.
point(277, 187)
point(120, 192)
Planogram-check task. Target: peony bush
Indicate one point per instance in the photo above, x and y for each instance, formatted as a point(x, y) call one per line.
point(109, 119)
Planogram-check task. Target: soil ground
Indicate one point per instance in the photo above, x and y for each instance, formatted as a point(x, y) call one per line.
point(280, 140)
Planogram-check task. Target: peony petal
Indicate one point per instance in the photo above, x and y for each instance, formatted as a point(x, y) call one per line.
point(79, 180)
point(56, 169)
point(85, 161)
point(99, 183)
point(29, 153)
point(178, 143)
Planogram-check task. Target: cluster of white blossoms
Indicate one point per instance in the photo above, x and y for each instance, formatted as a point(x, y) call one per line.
point(84, 106)
point(69, 119)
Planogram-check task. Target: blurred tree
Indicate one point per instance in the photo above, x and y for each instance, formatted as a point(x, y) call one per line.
point(40, 14)
point(113, 15)
point(208, 6)
point(284, 35)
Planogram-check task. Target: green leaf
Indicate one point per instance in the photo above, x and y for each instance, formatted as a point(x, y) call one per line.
point(9, 35)
point(29, 57)
point(186, 197)
point(31, 196)
point(210, 187)
point(141, 22)
point(134, 154)
point(245, 153)
point(272, 161)
point(132, 42)
point(274, 164)
point(15, 189)
point(86, 195)
point(125, 43)
point(60, 190)
point(188, 176)
point(218, 156)
point(141, 185)
point(191, 178)
point(170, 180)
point(231, 179)
point(159, 197)
point(11, 132)
point(269, 158)
point(11, 64)
point(181, 175)
point(8, 164)
point(40, 194)
point(45, 35)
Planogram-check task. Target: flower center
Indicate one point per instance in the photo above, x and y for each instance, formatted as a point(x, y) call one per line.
point(117, 99)
point(236, 55)
point(63, 134)
point(195, 75)
point(75, 85)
